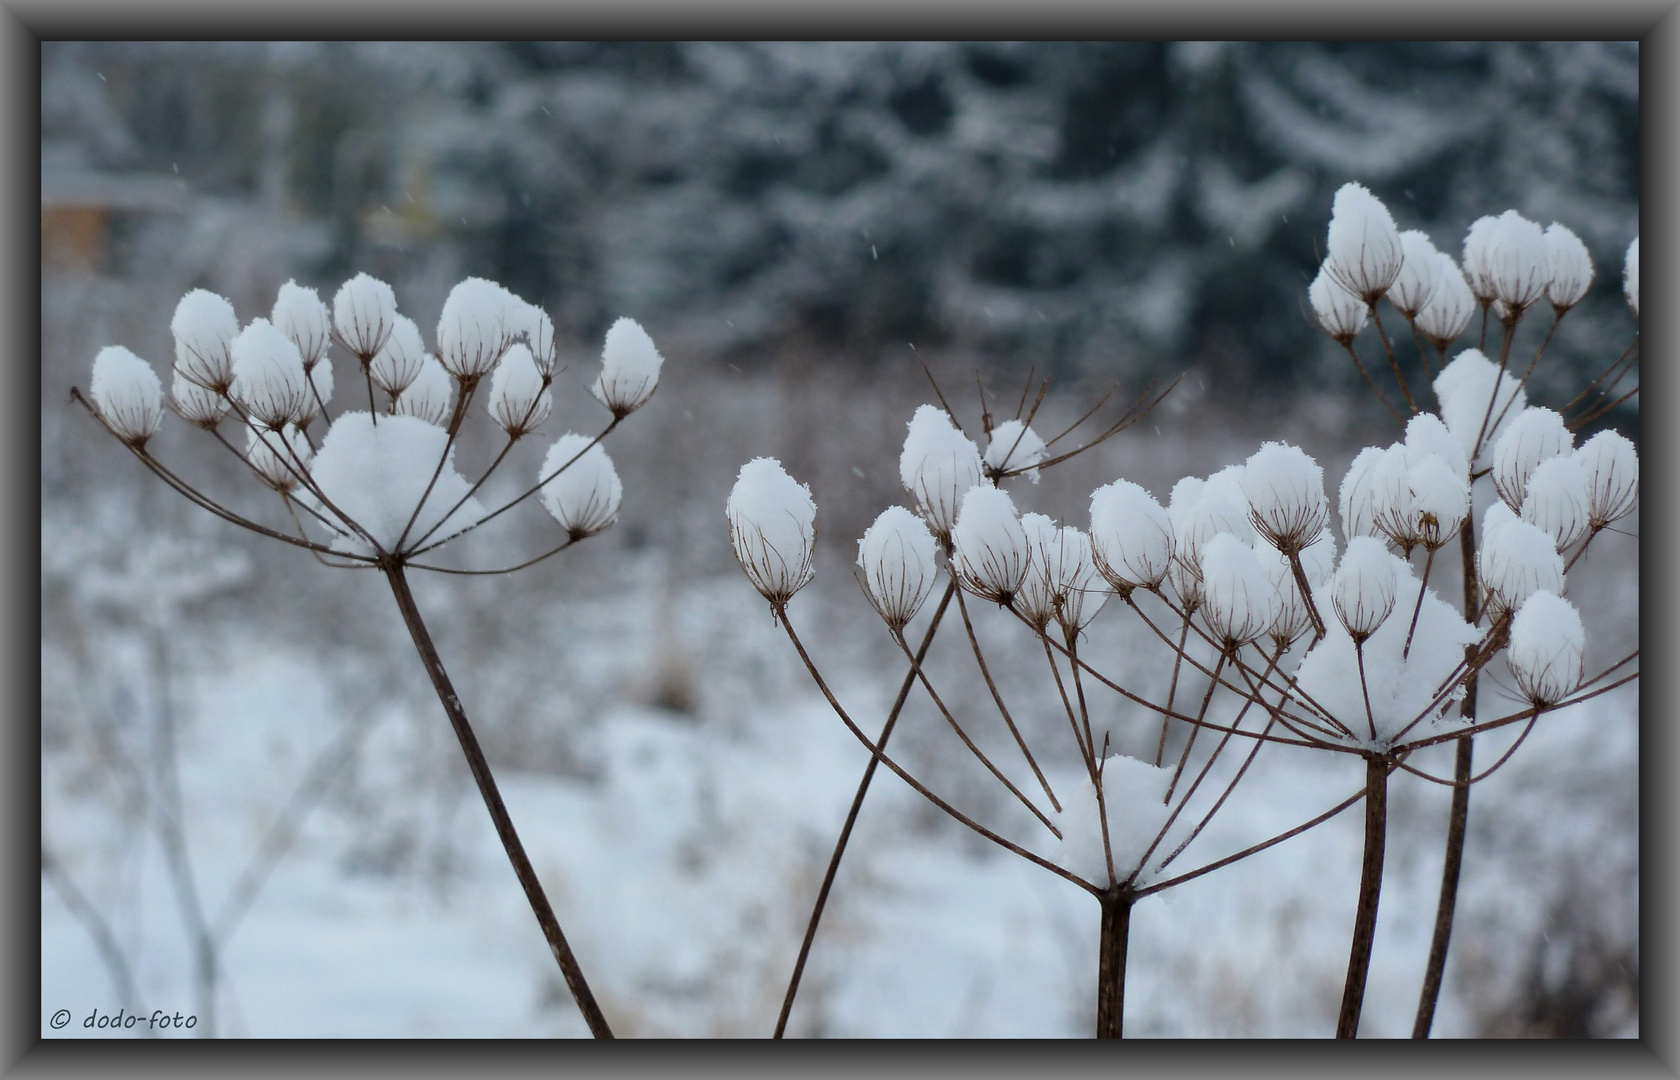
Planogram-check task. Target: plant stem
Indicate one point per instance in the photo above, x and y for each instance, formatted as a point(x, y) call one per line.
point(493, 802)
point(1370, 890)
point(851, 815)
point(1111, 962)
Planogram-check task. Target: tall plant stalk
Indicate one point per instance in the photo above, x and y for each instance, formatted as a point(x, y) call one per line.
point(557, 943)
point(1111, 961)
point(1370, 891)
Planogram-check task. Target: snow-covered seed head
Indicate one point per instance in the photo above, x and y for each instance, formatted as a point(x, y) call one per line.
point(1061, 582)
point(127, 393)
point(519, 398)
point(299, 314)
point(896, 557)
point(1363, 253)
point(1362, 591)
point(1339, 312)
point(384, 475)
point(195, 404)
point(1037, 598)
point(1478, 260)
point(1533, 435)
point(1240, 603)
point(397, 363)
point(772, 524)
point(269, 381)
point(538, 329)
point(1014, 448)
point(583, 496)
point(1570, 266)
point(472, 330)
point(1131, 536)
point(1517, 560)
point(430, 396)
point(1294, 618)
point(1285, 491)
point(281, 458)
point(1428, 434)
point(937, 467)
point(320, 392)
point(629, 368)
point(1518, 262)
point(990, 548)
point(1630, 276)
point(1558, 500)
point(364, 311)
point(204, 327)
point(1359, 495)
point(1464, 389)
point(1612, 468)
point(1449, 308)
point(1440, 501)
point(1547, 647)
point(1419, 270)
point(1390, 494)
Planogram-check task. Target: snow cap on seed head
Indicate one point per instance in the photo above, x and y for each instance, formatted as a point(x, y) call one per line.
point(269, 380)
point(278, 457)
point(1131, 536)
point(1061, 582)
point(1364, 251)
point(204, 327)
point(1440, 501)
point(896, 557)
point(583, 496)
point(1363, 589)
point(1285, 492)
point(1558, 500)
point(398, 362)
point(1517, 559)
point(1612, 468)
point(364, 311)
point(1015, 446)
point(1533, 436)
point(538, 329)
point(1037, 598)
point(629, 368)
point(127, 393)
point(195, 404)
point(1630, 276)
point(473, 331)
point(518, 399)
point(1547, 647)
point(1570, 266)
point(1339, 312)
point(1294, 618)
point(1418, 272)
point(772, 525)
point(320, 391)
point(1428, 434)
point(1240, 602)
point(1518, 261)
point(1464, 388)
point(299, 314)
point(1449, 308)
point(1478, 260)
point(375, 471)
point(937, 467)
point(989, 545)
point(430, 396)
point(1358, 500)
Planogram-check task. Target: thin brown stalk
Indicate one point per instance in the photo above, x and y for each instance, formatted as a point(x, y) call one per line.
point(1172, 687)
point(1111, 962)
point(1627, 356)
point(1510, 329)
point(1417, 608)
point(1087, 754)
point(534, 560)
point(1255, 849)
point(997, 699)
point(1372, 383)
point(1370, 893)
point(1201, 714)
point(1394, 364)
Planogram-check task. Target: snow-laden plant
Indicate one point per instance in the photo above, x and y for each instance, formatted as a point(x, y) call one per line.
point(380, 487)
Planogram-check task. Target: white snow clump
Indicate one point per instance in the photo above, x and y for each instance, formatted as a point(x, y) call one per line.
point(473, 329)
point(375, 474)
point(584, 495)
point(1339, 312)
point(1464, 389)
point(1534, 435)
point(204, 327)
point(430, 396)
point(519, 398)
point(398, 362)
point(1363, 253)
point(1449, 307)
point(1131, 536)
point(1134, 796)
point(1570, 266)
point(937, 467)
point(299, 314)
point(127, 393)
point(1547, 647)
point(269, 380)
point(629, 368)
point(1285, 491)
point(989, 544)
point(1558, 500)
point(1240, 601)
point(1630, 276)
point(896, 556)
point(1363, 589)
point(364, 312)
point(772, 525)
point(1612, 477)
point(1015, 447)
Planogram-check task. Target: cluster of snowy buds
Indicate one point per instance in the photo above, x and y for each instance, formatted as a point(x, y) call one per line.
point(382, 480)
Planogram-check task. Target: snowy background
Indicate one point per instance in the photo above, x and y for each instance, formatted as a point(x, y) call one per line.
point(784, 219)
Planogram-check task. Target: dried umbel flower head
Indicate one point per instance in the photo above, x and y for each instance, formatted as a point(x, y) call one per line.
point(1037, 598)
point(1557, 501)
point(281, 458)
point(1359, 495)
point(1419, 270)
point(937, 467)
point(269, 381)
point(376, 472)
point(1285, 491)
point(582, 490)
point(1240, 602)
point(896, 557)
point(1135, 805)
point(1449, 308)
point(538, 329)
point(1464, 388)
point(1389, 492)
point(1440, 501)
point(398, 362)
point(364, 313)
point(1547, 647)
point(1534, 435)
point(430, 397)
point(629, 368)
point(1428, 434)
point(1131, 536)
point(196, 404)
point(127, 393)
point(472, 330)
point(1517, 261)
point(1517, 559)
point(320, 392)
point(990, 547)
point(1339, 312)
point(519, 397)
point(1015, 448)
point(1061, 583)
point(299, 314)
point(1363, 589)
point(204, 326)
point(1363, 253)
point(1570, 266)
point(1612, 468)
point(1294, 618)
point(1478, 260)
point(772, 525)
point(1630, 276)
